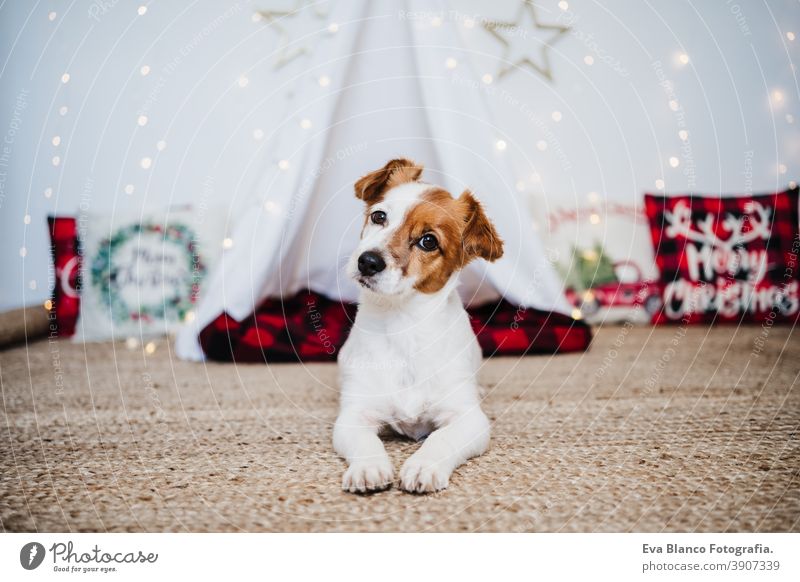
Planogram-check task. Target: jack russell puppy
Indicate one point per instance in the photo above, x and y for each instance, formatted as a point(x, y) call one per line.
point(411, 360)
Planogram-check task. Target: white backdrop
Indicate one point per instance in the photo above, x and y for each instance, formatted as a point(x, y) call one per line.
point(115, 105)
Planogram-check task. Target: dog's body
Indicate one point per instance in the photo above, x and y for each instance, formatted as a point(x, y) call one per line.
point(411, 360)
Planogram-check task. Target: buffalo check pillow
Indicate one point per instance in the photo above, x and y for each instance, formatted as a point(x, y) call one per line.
point(727, 259)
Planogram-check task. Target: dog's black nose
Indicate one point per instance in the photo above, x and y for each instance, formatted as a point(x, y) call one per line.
point(370, 263)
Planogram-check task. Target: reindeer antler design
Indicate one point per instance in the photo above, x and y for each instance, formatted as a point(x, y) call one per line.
point(680, 223)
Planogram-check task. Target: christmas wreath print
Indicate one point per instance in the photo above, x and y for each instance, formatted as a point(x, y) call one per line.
point(176, 284)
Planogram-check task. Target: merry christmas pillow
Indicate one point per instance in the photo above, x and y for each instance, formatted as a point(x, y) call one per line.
point(142, 274)
point(727, 259)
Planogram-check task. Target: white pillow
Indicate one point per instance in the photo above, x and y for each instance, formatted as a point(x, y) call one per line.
point(141, 274)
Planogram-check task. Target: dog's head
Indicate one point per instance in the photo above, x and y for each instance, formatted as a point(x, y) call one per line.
point(416, 236)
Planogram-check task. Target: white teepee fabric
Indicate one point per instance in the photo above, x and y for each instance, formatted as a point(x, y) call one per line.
point(389, 96)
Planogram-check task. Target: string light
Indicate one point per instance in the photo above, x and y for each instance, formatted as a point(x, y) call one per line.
point(145, 163)
point(790, 35)
point(65, 78)
point(469, 23)
point(62, 111)
point(305, 123)
point(142, 10)
point(674, 105)
point(674, 162)
point(541, 145)
point(161, 145)
point(556, 115)
point(23, 252)
point(333, 28)
point(593, 197)
point(782, 168)
point(48, 305)
point(256, 17)
point(520, 186)
point(56, 140)
point(594, 218)
point(487, 79)
point(243, 81)
point(145, 70)
point(189, 317)
point(52, 16)
point(589, 60)
point(131, 343)
point(683, 58)
point(436, 21)
point(683, 134)
point(563, 5)
point(150, 347)
point(283, 164)
point(32, 285)
point(660, 184)
point(451, 63)
point(501, 145)
point(271, 207)
point(789, 118)
point(48, 192)
point(576, 313)
point(56, 160)
point(324, 81)
point(142, 120)
point(129, 189)
point(777, 96)
point(258, 134)
point(26, 219)
point(227, 243)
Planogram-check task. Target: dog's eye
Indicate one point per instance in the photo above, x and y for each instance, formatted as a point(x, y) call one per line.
point(378, 217)
point(428, 243)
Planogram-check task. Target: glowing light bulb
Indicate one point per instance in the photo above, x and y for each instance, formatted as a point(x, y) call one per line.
point(660, 184)
point(674, 162)
point(683, 134)
point(65, 78)
point(48, 305)
point(258, 134)
point(227, 243)
point(150, 347)
point(333, 28)
point(305, 123)
point(56, 140)
point(52, 16)
point(790, 35)
point(563, 5)
point(56, 160)
point(23, 252)
point(144, 71)
point(451, 63)
point(142, 10)
point(48, 192)
point(487, 79)
point(683, 58)
point(145, 163)
point(556, 115)
point(129, 189)
point(594, 218)
point(243, 81)
point(62, 111)
point(324, 81)
point(161, 145)
point(142, 120)
point(589, 60)
point(26, 219)
point(541, 145)
point(283, 164)
point(501, 145)
point(674, 105)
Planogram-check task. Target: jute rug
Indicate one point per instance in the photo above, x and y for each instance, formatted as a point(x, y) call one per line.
point(666, 429)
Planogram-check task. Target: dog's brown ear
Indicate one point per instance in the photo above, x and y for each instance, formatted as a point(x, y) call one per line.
point(371, 187)
point(480, 238)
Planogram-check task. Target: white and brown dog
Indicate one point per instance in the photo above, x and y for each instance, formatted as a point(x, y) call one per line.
point(411, 360)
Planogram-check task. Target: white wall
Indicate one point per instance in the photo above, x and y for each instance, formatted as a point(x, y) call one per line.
point(616, 133)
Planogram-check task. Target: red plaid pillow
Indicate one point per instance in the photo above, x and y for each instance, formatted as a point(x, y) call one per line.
point(727, 259)
point(66, 301)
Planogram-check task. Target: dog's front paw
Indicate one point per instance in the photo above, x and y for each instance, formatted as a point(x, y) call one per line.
point(420, 475)
point(367, 476)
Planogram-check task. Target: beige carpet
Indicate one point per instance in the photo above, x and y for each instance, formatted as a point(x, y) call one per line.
point(652, 430)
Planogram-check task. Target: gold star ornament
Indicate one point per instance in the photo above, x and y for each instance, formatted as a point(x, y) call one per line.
point(526, 20)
